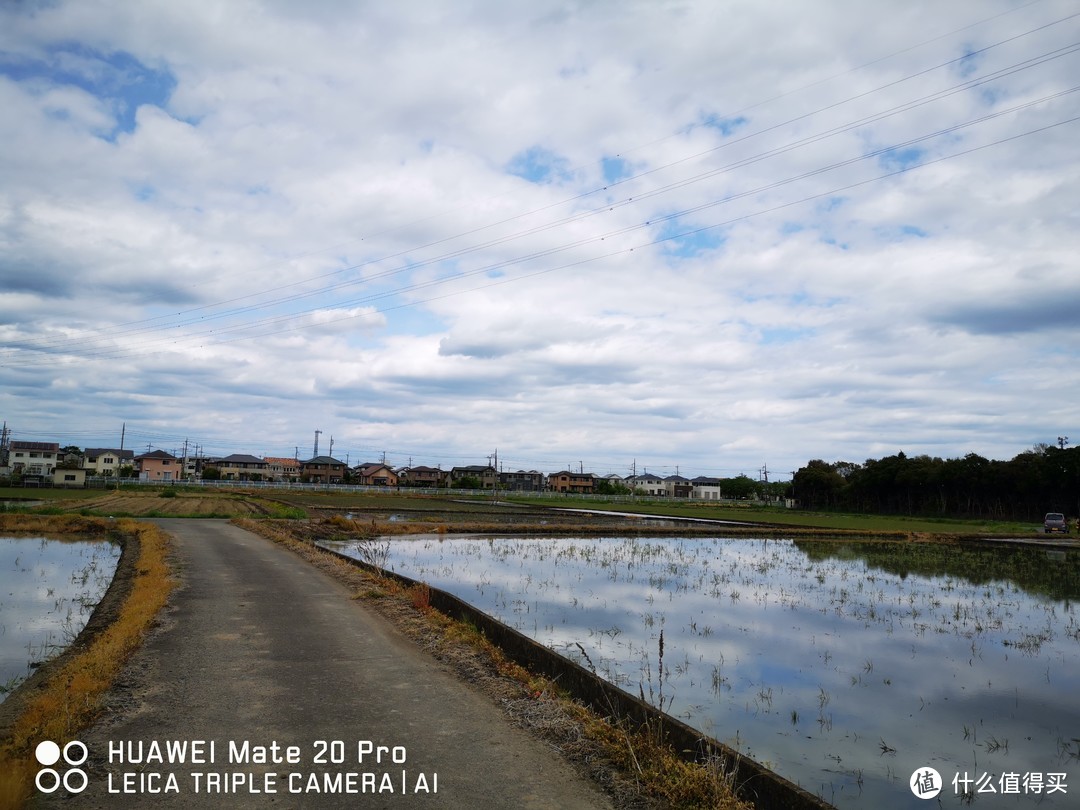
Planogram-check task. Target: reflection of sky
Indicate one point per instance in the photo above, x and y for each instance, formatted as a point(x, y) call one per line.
point(809, 667)
point(48, 589)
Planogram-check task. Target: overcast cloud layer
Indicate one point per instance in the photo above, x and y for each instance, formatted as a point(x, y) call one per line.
point(702, 235)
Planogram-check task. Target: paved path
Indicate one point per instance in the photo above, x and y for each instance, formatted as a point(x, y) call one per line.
point(259, 646)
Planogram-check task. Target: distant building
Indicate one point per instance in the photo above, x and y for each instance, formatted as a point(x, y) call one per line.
point(521, 481)
point(675, 486)
point(647, 484)
point(422, 477)
point(106, 461)
point(33, 459)
point(241, 467)
point(566, 481)
point(323, 470)
point(485, 475)
point(375, 474)
point(706, 489)
point(69, 477)
point(158, 465)
point(282, 469)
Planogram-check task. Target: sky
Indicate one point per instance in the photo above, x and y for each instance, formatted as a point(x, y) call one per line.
point(689, 236)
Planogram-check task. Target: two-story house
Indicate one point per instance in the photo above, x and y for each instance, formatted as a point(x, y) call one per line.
point(477, 472)
point(106, 461)
point(323, 470)
point(241, 467)
point(647, 484)
point(576, 482)
point(35, 460)
point(282, 469)
point(375, 474)
point(521, 481)
point(676, 486)
point(422, 476)
point(706, 489)
point(157, 465)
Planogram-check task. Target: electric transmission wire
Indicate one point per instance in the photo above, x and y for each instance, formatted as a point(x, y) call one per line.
point(141, 327)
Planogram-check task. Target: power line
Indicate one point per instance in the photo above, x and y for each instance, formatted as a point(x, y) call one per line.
point(139, 327)
point(280, 321)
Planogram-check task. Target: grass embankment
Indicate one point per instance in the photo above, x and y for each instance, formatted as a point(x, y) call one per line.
point(65, 696)
point(639, 768)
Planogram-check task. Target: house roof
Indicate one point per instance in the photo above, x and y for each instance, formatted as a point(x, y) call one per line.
point(94, 452)
point(323, 460)
point(285, 462)
point(369, 466)
point(48, 447)
point(160, 454)
point(241, 458)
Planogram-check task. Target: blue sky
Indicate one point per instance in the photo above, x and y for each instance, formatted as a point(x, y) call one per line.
point(687, 236)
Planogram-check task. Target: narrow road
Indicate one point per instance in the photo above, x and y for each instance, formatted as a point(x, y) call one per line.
point(258, 647)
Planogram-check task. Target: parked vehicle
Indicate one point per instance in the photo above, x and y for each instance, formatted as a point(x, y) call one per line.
point(1055, 522)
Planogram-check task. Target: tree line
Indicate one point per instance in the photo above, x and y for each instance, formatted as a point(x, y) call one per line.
point(1043, 479)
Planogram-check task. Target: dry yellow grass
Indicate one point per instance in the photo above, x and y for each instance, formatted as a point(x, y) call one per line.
point(71, 696)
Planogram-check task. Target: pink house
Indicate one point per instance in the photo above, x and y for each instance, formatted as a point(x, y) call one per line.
point(158, 466)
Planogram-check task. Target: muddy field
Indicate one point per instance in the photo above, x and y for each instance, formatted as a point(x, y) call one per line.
point(138, 504)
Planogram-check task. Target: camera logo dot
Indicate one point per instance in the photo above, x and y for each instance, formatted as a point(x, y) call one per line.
point(48, 779)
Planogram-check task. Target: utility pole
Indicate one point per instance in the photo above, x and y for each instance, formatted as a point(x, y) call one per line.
point(1062, 441)
point(316, 453)
point(331, 447)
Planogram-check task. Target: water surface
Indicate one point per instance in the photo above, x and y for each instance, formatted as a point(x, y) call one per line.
point(844, 666)
point(48, 589)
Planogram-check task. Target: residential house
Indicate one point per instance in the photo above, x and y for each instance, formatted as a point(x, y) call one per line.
point(375, 474)
point(106, 461)
point(706, 489)
point(675, 486)
point(485, 475)
point(157, 465)
point(323, 470)
point(241, 467)
point(422, 477)
point(282, 469)
point(35, 460)
point(566, 481)
point(647, 484)
point(202, 463)
point(521, 481)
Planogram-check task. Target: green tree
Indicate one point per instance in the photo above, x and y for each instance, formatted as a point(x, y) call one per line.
point(818, 485)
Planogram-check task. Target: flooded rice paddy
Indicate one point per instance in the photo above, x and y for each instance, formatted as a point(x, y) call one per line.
point(844, 666)
point(48, 589)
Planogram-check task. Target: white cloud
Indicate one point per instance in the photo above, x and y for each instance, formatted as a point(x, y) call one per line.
point(315, 218)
